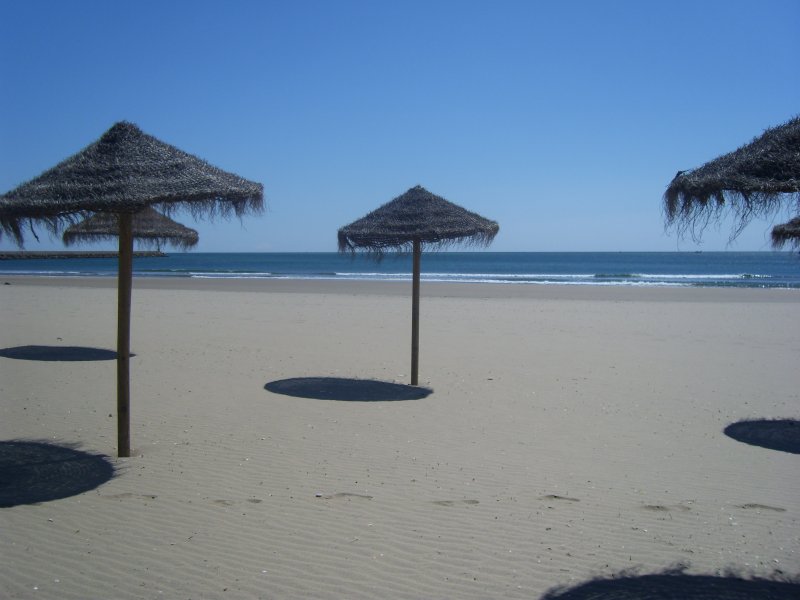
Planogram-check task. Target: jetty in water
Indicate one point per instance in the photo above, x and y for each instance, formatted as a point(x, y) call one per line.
point(23, 254)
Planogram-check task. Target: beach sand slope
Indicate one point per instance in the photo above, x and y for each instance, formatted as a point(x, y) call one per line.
point(571, 433)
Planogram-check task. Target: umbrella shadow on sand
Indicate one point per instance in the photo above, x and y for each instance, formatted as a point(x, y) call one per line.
point(33, 472)
point(675, 583)
point(342, 388)
point(58, 353)
point(774, 434)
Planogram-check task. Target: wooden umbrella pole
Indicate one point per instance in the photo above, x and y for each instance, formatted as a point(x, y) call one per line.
point(415, 315)
point(124, 282)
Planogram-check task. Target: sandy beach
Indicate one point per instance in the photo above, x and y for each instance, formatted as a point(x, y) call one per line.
point(571, 433)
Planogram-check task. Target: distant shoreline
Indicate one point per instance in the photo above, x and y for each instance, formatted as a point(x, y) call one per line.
point(47, 254)
point(757, 270)
point(431, 289)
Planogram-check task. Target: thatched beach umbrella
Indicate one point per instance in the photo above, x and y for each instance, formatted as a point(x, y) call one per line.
point(417, 218)
point(752, 181)
point(787, 233)
point(123, 172)
point(148, 226)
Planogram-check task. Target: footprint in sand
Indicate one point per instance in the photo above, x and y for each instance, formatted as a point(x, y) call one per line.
point(555, 497)
point(127, 495)
point(762, 507)
point(656, 507)
point(345, 495)
point(454, 502)
point(662, 508)
point(231, 502)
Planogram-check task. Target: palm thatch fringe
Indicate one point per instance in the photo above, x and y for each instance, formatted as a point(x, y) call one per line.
point(417, 214)
point(123, 172)
point(788, 233)
point(752, 181)
point(150, 228)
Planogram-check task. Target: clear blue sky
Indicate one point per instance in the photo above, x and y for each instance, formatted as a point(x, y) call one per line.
point(563, 121)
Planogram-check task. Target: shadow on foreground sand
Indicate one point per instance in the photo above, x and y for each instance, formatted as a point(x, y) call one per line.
point(675, 584)
point(352, 390)
point(774, 434)
point(58, 353)
point(32, 472)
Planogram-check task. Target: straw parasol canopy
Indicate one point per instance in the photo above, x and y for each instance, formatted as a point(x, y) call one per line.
point(124, 172)
point(752, 181)
point(788, 233)
point(416, 215)
point(148, 226)
point(412, 221)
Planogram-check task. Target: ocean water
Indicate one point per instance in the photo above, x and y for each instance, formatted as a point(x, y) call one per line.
point(730, 269)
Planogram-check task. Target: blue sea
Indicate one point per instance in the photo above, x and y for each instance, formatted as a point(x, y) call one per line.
point(713, 269)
